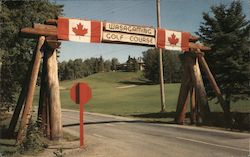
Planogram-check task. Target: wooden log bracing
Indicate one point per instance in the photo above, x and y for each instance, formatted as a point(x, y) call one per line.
point(31, 90)
point(192, 85)
point(35, 32)
point(212, 82)
point(54, 96)
point(51, 22)
point(21, 100)
point(193, 38)
point(53, 43)
point(43, 96)
point(194, 46)
point(201, 96)
point(193, 110)
point(45, 27)
point(183, 98)
point(47, 113)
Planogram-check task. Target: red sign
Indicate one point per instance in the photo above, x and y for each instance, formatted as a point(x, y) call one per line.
point(81, 93)
point(79, 30)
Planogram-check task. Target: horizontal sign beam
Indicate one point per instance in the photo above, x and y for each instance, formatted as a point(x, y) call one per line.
point(112, 33)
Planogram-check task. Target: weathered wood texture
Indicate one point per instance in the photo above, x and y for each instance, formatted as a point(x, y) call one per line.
point(201, 96)
point(43, 97)
point(192, 79)
point(193, 38)
point(195, 46)
point(186, 84)
point(45, 27)
point(35, 32)
point(54, 96)
point(212, 81)
point(193, 108)
point(51, 22)
point(21, 100)
point(31, 89)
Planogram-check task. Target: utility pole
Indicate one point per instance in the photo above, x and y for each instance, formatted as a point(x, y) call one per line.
point(160, 60)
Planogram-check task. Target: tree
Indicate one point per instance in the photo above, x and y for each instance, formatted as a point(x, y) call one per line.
point(15, 51)
point(132, 65)
point(61, 70)
point(151, 60)
point(100, 64)
point(114, 63)
point(171, 66)
point(78, 68)
point(74, 69)
point(90, 65)
point(107, 65)
point(226, 30)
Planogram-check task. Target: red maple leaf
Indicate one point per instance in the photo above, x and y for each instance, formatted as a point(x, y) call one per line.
point(173, 40)
point(79, 30)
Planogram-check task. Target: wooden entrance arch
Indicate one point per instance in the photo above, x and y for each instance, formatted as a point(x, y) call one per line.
point(53, 30)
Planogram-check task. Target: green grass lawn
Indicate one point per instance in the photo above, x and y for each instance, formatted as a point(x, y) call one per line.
point(108, 98)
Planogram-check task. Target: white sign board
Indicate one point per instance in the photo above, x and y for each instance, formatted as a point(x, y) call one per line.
point(128, 38)
point(133, 29)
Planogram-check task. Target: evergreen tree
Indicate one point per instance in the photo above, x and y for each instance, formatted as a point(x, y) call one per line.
point(226, 30)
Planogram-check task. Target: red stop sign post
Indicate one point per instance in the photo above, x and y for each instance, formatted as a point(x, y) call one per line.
point(81, 93)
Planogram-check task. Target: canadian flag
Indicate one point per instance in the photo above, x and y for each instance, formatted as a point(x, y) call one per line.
point(173, 40)
point(79, 30)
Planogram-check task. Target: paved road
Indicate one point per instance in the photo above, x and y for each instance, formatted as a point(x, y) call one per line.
point(111, 136)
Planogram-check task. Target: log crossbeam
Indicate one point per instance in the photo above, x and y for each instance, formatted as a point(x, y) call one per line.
point(50, 29)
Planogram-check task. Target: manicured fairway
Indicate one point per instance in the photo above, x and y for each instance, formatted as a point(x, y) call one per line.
point(123, 93)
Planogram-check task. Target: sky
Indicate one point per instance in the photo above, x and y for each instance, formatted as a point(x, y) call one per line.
point(181, 15)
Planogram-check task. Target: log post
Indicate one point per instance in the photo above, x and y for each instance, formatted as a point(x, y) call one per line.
point(200, 92)
point(21, 99)
point(192, 106)
point(47, 113)
point(43, 96)
point(212, 81)
point(54, 95)
point(31, 89)
point(184, 91)
point(215, 87)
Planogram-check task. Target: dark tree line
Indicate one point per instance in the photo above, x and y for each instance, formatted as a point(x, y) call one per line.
point(171, 66)
point(78, 68)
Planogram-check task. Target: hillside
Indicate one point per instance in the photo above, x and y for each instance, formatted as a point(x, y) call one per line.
point(121, 93)
point(125, 93)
